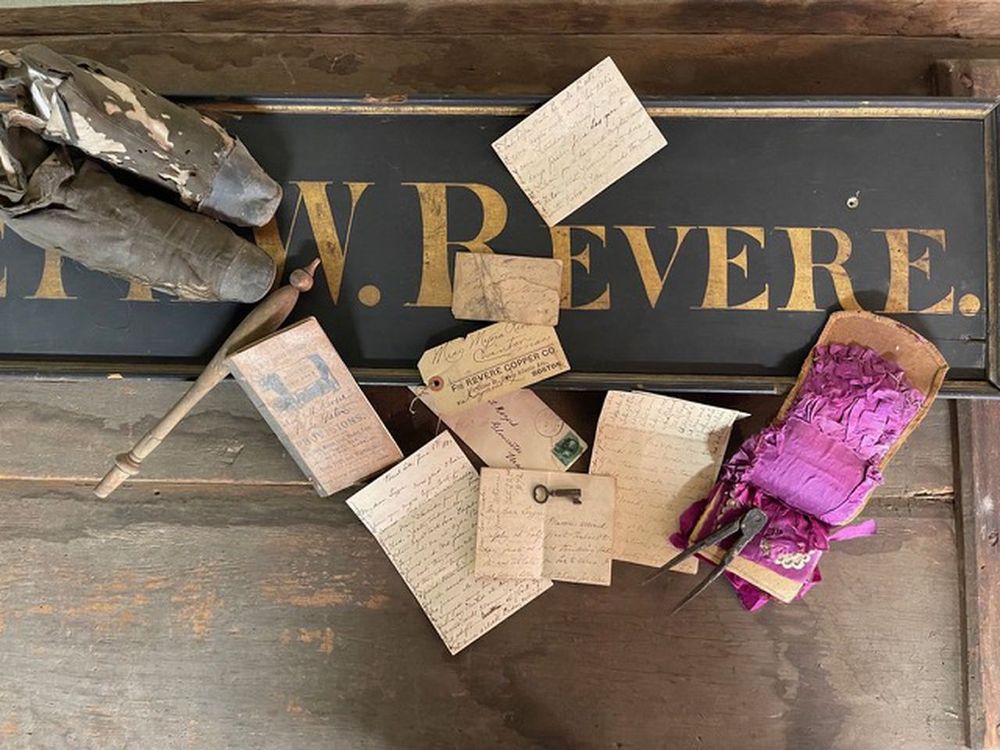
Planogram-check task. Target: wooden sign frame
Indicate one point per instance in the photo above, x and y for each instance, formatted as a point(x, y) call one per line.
point(978, 380)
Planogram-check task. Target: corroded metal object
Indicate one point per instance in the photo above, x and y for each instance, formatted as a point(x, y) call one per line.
point(262, 320)
point(56, 199)
point(114, 118)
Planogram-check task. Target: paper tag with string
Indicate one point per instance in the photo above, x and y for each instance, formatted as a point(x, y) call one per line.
point(489, 363)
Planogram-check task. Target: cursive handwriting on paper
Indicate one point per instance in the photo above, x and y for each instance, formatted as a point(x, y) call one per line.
point(665, 454)
point(514, 431)
point(585, 138)
point(423, 513)
point(558, 539)
point(507, 288)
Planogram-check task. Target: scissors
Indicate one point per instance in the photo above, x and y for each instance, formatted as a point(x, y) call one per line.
point(749, 525)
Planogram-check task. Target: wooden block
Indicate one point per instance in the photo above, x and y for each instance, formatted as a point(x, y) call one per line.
point(507, 288)
point(306, 394)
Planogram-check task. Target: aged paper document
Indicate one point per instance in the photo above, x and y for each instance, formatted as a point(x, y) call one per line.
point(556, 539)
point(578, 143)
point(516, 431)
point(506, 288)
point(423, 514)
point(665, 454)
point(304, 391)
point(490, 362)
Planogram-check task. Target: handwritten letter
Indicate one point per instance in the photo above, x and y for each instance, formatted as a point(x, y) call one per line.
point(507, 288)
point(585, 138)
point(558, 539)
point(489, 363)
point(665, 454)
point(423, 514)
point(304, 391)
point(516, 431)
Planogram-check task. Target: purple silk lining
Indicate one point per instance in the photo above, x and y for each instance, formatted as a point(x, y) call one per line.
point(813, 471)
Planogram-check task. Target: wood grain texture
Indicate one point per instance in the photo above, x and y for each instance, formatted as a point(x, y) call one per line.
point(978, 511)
point(978, 451)
point(935, 18)
point(171, 617)
point(69, 431)
point(978, 79)
point(517, 65)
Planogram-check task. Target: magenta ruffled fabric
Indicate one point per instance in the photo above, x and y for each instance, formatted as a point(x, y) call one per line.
point(812, 472)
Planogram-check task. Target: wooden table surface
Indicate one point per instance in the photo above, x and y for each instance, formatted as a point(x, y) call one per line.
point(218, 602)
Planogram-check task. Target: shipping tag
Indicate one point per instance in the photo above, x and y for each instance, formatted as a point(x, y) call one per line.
point(489, 363)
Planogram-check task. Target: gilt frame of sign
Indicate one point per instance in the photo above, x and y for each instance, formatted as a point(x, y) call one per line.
point(711, 266)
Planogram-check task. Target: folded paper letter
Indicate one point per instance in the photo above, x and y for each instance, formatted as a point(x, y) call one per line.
point(507, 288)
point(423, 514)
point(579, 142)
point(558, 539)
point(664, 454)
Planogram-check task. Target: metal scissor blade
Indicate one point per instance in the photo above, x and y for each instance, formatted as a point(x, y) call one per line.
point(713, 538)
point(708, 581)
point(669, 564)
point(749, 525)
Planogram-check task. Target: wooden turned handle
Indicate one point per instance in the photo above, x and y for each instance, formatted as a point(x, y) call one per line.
point(126, 465)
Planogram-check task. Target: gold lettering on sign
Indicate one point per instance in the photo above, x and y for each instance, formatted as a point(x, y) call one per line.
point(139, 293)
point(562, 249)
point(717, 286)
point(435, 280)
point(898, 242)
point(50, 286)
point(638, 243)
point(268, 238)
point(331, 248)
point(803, 295)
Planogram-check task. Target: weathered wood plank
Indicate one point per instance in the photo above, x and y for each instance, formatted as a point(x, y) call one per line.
point(978, 512)
point(933, 18)
point(517, 65)
point(72, 431)
point(978, 79)
point(168, 617)
point(978, 451)
point(69, 431)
